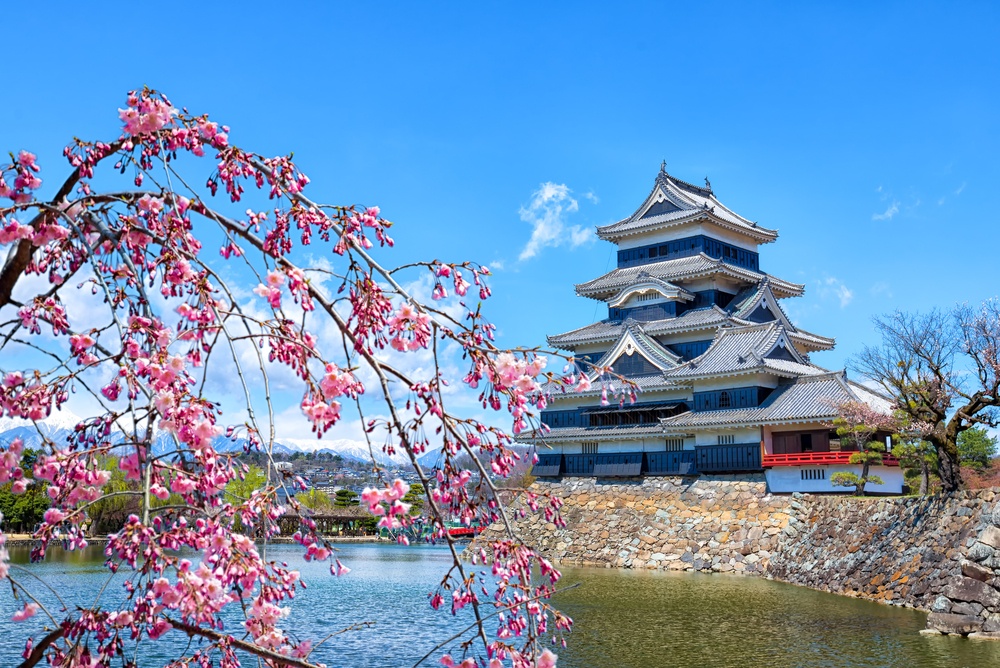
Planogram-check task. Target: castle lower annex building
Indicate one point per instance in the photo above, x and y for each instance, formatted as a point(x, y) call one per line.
point(725, 381)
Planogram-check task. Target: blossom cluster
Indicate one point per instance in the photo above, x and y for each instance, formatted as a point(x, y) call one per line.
point(387, 504)
point(169, 313)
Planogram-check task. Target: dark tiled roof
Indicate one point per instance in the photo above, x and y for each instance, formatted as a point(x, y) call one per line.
point(610, 330)
point(631, 408)
point(651, 383)
point(744, 349)
point(648, 347)
point(683, 268)
point(645, 283)
point(710, 318)
point(814, 341)
point(747, 301)
point(681, 202)
point(592, 433)
point(806, 399)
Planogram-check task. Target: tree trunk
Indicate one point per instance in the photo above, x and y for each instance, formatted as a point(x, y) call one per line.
point(860, 491)
point(925, 474)
point(948, 470)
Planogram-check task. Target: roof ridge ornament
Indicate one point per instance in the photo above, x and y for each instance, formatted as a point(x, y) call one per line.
point(663, 167)
point(708, 184)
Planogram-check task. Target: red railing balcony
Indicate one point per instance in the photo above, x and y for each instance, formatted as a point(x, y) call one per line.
point(818, 459)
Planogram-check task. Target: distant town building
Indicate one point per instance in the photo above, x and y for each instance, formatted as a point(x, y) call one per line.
point(725, 380)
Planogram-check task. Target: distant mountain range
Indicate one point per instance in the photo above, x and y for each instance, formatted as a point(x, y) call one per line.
point(61, 424)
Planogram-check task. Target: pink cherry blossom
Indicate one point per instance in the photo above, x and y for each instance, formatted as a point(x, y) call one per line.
point(27, 612)
point(153, 352)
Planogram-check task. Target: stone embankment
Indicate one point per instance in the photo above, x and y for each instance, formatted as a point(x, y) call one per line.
point(939, 553)
point(722, 524)
point(936, 553)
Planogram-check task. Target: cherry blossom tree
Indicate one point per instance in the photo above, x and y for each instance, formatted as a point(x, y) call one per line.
point(858, 423)
point(132, 296)
point(944, 369)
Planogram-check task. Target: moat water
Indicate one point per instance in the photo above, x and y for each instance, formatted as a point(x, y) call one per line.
point(622, 618)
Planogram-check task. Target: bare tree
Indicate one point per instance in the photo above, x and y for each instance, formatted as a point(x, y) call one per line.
point(943, 368)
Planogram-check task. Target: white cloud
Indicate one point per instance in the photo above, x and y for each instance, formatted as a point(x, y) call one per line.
point(831, 287)
point(958, 191)
point(891, 211)
point(550, 206)
point(496, 265)
point(881, 289)
point(592, 197)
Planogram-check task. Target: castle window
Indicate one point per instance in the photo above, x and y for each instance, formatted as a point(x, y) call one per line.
point(723, 400)
point(675, 444)
point(590, 448)
point(726, 439)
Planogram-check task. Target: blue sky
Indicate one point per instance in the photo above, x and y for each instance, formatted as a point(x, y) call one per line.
point(866, 133)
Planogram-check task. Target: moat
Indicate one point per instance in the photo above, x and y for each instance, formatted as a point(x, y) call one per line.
point(623, 618)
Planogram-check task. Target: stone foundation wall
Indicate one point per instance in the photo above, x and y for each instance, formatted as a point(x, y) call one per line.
point(722, 524)
point(938, 553)
point(902, 551)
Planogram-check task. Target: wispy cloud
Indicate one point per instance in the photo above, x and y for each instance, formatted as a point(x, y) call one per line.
point(833, 288)
point(888, 214)
point(547, 213)
point(881, 289)
point(956, 192)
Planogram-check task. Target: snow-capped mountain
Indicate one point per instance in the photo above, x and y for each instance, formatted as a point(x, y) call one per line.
point(61, 424)
point(56, 427)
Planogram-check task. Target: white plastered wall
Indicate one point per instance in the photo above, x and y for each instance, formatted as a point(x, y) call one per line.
point(787, 479)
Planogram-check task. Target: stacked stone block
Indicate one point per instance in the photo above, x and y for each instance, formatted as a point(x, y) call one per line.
point(935, 553)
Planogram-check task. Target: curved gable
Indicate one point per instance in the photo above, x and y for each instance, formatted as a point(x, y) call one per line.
point(636, 354)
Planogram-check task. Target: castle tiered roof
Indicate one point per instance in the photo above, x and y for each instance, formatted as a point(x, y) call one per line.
point(610, 330)
point(756, 302)
point(632, 337)
point(804, 399)
point(696, 328)
point(682, 268)
point(737, 351)
point(673, 203)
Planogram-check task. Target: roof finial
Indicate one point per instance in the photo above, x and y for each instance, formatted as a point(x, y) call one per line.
point(708, 184)
point(663, 167)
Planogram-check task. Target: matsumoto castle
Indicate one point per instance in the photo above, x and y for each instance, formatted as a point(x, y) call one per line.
point(726, 383)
